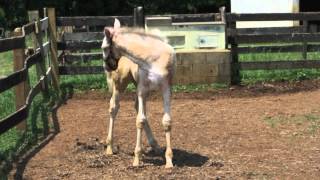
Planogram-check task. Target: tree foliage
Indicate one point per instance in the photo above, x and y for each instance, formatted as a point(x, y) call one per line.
point(14, 12)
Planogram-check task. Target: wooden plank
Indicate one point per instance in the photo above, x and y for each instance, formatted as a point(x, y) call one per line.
point(294, 37)
point(29, 28)
point(46, 48)
point(32, 93)
point(44, 23)
point(223, 20)
point(305, 43)
point(79, 45)
point(271, 65)
point(278, 48)
point(93, 20)
point(33, 59)
point(223, 14)
point(138, 17)
point(13, 79)
point(73, 70)
point(53, 47)
point(82, 36)
point(191, 17)
point(235, 71)
point(267, 30)
point(13, 119)
point(38, 42)
point(22, 89)
point(34, 17)
point(8, 44)
point(84, 57)
point(49, 74)
point(232, 17)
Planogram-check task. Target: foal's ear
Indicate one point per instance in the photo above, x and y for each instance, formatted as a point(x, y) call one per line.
point(116, 24)
point(108, 31)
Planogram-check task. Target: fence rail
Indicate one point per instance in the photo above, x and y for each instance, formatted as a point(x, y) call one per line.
point(93, 20)
point(309, 16)
point(73, 42)
point(17, 44)
point(279, 48)
point(291, 39)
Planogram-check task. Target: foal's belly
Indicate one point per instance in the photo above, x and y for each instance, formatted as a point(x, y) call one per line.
point(154, 79)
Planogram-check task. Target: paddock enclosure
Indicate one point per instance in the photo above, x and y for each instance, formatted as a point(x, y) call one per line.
point(265, 131)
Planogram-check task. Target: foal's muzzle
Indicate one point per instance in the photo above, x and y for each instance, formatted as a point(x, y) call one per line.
point(111, 64)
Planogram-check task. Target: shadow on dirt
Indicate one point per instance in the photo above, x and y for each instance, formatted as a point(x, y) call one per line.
point(181, 158)
point(25, 158)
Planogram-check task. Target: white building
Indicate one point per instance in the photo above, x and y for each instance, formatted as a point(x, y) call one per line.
point(265, 6)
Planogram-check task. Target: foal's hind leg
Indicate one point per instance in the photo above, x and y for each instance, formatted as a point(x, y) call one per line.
point(151, 140)
point(166, 121)
point(113, 110)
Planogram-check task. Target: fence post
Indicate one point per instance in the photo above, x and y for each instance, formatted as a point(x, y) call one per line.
point(305, 43)
point(223, 20)
point(37, 42)
point(22, 89)
point(138, 17)
point(235, 68)
point(53, 47)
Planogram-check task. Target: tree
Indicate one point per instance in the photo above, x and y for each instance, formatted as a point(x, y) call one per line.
point(15, 11)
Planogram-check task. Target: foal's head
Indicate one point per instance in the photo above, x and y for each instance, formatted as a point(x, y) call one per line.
point(109, 53)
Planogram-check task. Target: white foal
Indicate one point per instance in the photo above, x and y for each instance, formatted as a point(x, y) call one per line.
point(156, 63)
point(125, 71)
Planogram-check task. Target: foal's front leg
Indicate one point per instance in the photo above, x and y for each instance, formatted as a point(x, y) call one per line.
point(113, 110)
point(151, 140)
point(140, 122)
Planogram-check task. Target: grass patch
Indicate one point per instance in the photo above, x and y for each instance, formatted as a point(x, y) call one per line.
point(14, 142)
point(256, 76)
point(197, 88)
point(306, 124)
point(6, 63)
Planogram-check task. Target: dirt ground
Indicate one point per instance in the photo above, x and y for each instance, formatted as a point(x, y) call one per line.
point(267, 131)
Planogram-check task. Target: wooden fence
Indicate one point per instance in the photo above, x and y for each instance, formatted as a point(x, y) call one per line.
point(71, 43)
point(245, 40)
point(19, 79)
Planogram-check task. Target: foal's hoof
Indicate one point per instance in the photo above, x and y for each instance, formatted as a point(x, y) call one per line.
point(136, 162)
point(109, 151)
point(169, 165)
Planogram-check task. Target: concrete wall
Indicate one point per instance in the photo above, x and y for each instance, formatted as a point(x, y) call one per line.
point(202, 66)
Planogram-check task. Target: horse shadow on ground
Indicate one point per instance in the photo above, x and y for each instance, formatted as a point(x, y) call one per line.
point(181, 158)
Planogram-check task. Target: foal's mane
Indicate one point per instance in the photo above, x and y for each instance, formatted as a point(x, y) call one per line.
point(153, 34)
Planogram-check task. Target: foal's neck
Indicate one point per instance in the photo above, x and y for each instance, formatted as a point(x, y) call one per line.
point(144, 49)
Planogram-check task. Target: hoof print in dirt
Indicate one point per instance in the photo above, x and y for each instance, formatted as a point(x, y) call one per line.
point(216, 164)
point(92, 144)
point(98, 161)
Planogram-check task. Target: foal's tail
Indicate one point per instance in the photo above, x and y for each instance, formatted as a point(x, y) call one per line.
point(159, 34)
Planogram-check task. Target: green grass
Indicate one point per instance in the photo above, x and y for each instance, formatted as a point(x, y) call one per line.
point(255, 76)
point(306, 124)
point(13, 141)
point(6, 63)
